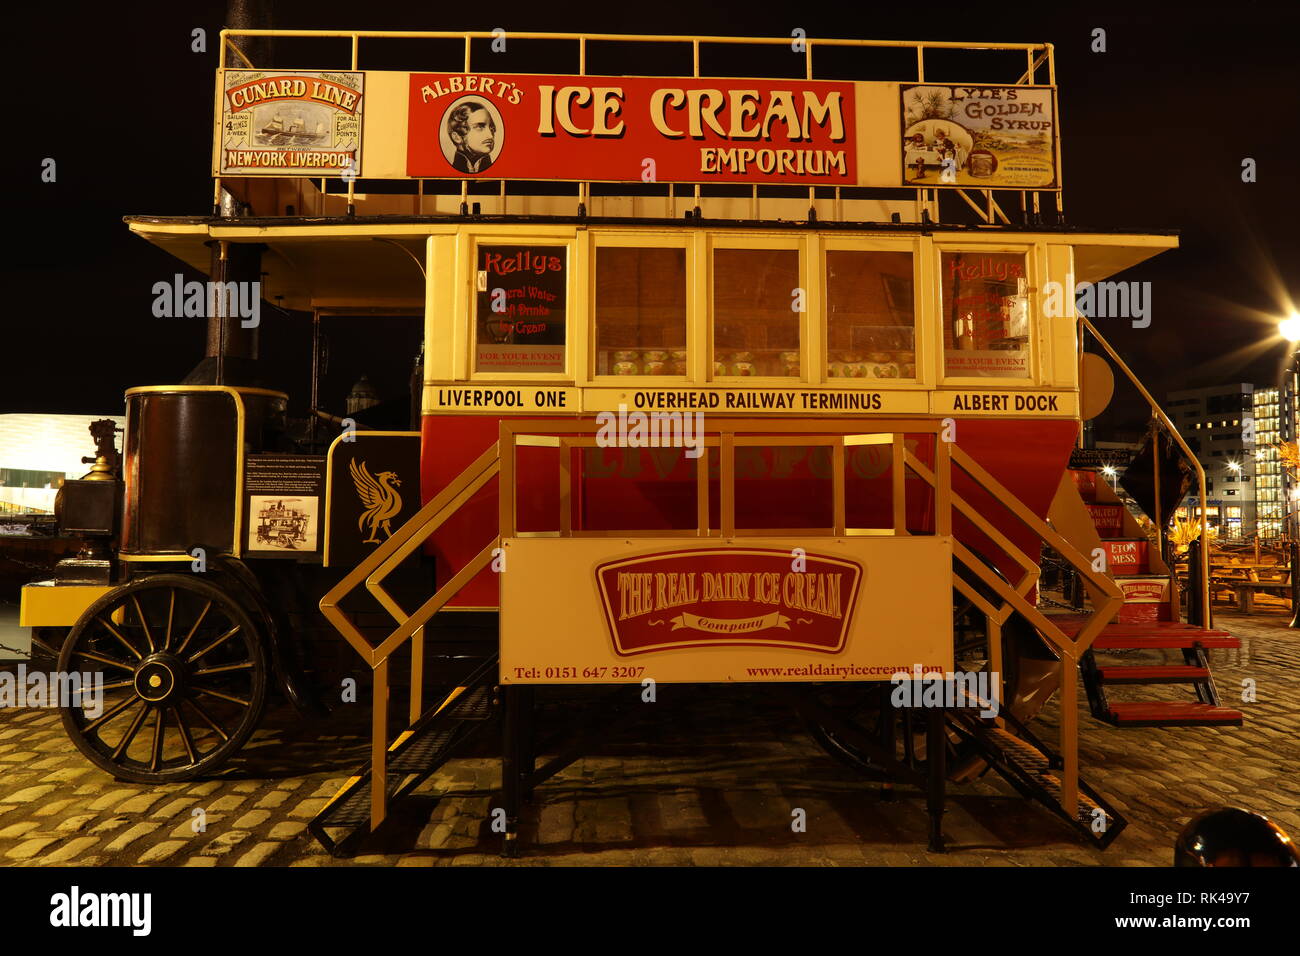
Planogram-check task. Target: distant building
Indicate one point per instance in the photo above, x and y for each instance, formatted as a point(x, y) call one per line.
point(1218, 424)
point(37, 452)
point(1270, 484)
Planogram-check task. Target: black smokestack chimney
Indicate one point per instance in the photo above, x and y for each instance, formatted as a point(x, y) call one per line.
point(251, 15)
point(230, 350)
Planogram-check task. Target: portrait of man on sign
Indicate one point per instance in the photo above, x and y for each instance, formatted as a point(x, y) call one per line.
point(471, 141)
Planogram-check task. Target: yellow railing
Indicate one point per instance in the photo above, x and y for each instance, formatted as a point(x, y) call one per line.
point(723, 438)
point(1037, 56)
point(1159, 415)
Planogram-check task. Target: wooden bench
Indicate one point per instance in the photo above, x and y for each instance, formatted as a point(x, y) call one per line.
point(1245, 590)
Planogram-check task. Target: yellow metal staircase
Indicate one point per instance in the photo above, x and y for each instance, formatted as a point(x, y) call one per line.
point(432, 734)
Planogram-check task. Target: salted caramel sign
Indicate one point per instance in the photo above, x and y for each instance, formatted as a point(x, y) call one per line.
point(726, 597)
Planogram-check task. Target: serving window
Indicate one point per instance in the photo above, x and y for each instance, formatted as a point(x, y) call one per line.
point(521, 311)
point(870, 315)
point(984, 304)
point(756, 295)
point(640, 311)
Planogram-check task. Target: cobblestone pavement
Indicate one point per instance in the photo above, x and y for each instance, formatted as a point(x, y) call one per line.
point(717, 783)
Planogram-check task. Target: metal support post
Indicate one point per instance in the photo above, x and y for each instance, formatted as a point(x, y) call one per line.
point(936, 750)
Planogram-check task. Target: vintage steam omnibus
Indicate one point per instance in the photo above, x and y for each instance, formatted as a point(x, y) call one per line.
point(720, 380)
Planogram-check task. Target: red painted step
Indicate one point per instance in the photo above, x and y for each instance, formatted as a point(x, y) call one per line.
point(1156, 674)
point(1105, 643)
point(1172, 714)
point(1151, 634)
point(1194, 639)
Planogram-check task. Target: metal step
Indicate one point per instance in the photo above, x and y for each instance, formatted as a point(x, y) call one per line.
point(416, 754)
point(1031, 768)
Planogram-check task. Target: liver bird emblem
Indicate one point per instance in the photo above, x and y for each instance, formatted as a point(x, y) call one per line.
point(379, 499)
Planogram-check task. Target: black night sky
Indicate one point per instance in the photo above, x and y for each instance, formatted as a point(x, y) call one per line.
point(1155, 130)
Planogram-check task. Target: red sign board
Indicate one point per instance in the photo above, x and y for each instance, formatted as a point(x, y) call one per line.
point(1150, 590)
point(707, 598)
point(1086, 482)
point(1126, 557)
point(1108, 519)
point(631, 129)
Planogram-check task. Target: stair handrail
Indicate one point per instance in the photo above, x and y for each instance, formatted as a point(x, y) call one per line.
point(1159, 414)
point(377, 565)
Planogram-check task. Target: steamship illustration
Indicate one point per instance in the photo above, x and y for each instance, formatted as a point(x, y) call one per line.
point(277, 133)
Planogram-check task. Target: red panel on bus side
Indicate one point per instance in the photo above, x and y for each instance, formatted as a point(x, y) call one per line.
point(776, 488)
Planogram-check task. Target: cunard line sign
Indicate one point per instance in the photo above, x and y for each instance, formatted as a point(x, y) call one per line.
point(288, 123)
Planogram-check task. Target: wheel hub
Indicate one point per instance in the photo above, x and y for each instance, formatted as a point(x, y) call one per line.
point(159, 678)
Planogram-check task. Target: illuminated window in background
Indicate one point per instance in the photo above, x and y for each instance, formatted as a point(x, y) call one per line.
point(755, 328)
point(870, 315)
point(640, 311)
point(986, 314)
point(522, 308)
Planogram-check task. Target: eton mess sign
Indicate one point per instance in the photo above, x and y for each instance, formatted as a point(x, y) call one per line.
point(631, 129)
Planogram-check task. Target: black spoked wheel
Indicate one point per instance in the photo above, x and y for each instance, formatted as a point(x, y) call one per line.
point(181, 674)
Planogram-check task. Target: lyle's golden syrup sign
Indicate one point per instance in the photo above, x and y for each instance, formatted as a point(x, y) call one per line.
point(982, 136)
point(729, 597)
point(288, 123)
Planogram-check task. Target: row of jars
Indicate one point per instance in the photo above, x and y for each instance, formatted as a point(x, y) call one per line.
point(742, 364)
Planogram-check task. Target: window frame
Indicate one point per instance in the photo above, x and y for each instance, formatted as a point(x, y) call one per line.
point(628, 239)
point(803, 246)
point(576, 315)
point(924, 333)
point(1034, 253)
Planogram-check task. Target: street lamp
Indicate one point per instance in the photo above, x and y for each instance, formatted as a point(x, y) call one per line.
point(1289, 328)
